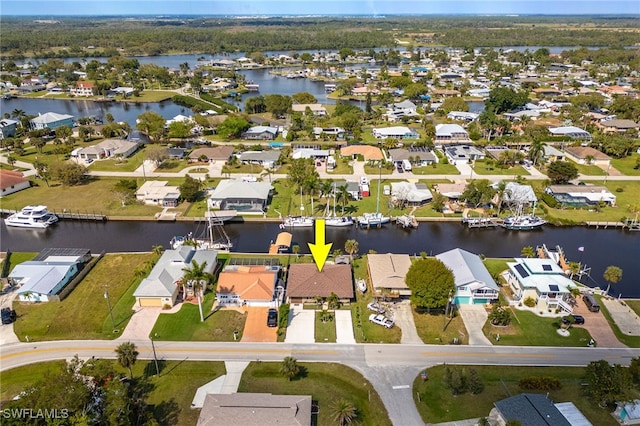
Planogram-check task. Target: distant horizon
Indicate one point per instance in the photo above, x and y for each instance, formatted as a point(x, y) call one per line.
point(316, 8)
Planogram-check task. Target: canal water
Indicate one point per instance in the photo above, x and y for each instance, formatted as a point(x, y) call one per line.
point(601, 247)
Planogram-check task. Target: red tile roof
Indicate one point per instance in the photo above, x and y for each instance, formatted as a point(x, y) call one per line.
point(10, 178)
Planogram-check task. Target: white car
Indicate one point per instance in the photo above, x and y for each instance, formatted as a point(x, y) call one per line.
point(381, 320)
point(376, 307)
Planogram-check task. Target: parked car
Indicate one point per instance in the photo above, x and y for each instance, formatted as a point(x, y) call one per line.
point(376, 307)
point(272, 318)
point(381, 320)
point(8, 315)
point(577, 319)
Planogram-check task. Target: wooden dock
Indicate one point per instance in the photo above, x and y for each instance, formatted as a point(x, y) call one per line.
point(69, 215)
point(605, 225)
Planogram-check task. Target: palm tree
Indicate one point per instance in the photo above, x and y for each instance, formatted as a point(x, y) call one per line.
point(612, 274)
point(157, 249)
point(198, 278)
point(536, 151)
point(127, 356)
point(351, 247)
point(344, 412)
point(343, 196)
point(527, 251)
point(326, 189)
point(289, 368)
point(574, 269)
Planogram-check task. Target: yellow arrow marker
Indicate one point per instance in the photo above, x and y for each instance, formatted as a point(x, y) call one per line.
point(320, 250)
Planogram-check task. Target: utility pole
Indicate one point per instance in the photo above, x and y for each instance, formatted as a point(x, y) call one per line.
point(106, 296)
point(155, 357)
point(446, 312)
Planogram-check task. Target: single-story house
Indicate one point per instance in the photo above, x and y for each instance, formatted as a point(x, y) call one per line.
point(316, 109)
point(401, 109)
point(571, 131)
point(397, 132)
point(413, 194)
point(305, 283)
point(158, 193)
point(163, 284)
point(176, 153)
point(263, 133)
point(451, 133)
point(255, 409)
point(474, 284)
point(419, 156)
point(462, 154)
point(452, 191)
point(216, 153)
point(310, 153)
point(247, 285)
point(266, 159)
point(11, 182)
point(537, 409)
point(516, 194)
point(51, 120)
point(82, 88)
point(109, 148)
point(587, 155)
point(337, 132)
point(48, 273)
point(552, 154)
point(627, 413)
point(387, 273)
point(8, 128)
point(368, 152)
point(463, 116)
point(237, 194)
point(619, 126)
point(581, 195)
point(496, 151)
point(543, 281)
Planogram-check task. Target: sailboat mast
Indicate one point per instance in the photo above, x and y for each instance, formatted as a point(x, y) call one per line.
point(379, 184)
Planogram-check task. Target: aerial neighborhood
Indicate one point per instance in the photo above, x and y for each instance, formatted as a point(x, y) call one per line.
point(411, 234)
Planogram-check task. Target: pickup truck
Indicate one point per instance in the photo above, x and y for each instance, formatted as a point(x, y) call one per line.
point(381, 320)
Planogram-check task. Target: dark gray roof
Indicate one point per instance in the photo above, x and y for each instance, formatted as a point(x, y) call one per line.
point(531, 409)
point(48, 252)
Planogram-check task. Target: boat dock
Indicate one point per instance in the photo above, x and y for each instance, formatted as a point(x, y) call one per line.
point(407, 221)
point(606, 225)
point(480, 222)
point(68, 215)
point(253, 87)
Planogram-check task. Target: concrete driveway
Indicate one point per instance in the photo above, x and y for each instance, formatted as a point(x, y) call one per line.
point(255, 328)
point(625, 318)
point(596, 324)
point(474, 317)
point(403, 318)
point(344, 327)
point(301, 325)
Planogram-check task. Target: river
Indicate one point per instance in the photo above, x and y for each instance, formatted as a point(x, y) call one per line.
point(602, 247)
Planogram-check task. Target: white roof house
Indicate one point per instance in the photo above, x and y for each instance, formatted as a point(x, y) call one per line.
point(474, 284)
point(158, 193)
point(581, 195)
point(451, 133)
point(542, 280)
point(516, 193)
point(51, 120)
point(411, 193)
point(261, 133)
point(316, 109)
point(398, 132)
point(460, 154)
point(109, 148)
point(309, 153)
point(240, 195)
point(163, 284)
point(463, 115)
point(571, 131)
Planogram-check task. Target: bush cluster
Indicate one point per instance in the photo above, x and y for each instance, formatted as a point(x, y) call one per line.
point(542, 383)
point(459, 381)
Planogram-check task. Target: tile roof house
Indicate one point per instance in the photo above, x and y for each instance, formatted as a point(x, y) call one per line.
point(532, 410)
point(368, 152)
point(304, 282)
point(579, 154)
point(581, 195)
point(217, 153)
point(163, 284)
point(619, 126)
point(82, 88)
point(316, 109)
point(474, 284)
point(237, 194)
point(247, 285)
point(543, 281)
point(387, 273)
point(255, 409)
point(158, 193)
point(11, 182)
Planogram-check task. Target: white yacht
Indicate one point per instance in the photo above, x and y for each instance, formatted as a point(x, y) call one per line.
point(338, 221)
point(372, 219)
point(37, 217)
point(297, 222)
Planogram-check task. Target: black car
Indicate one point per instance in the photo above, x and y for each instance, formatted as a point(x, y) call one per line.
point(8, 315)
point(577, 319)
point(272, 318)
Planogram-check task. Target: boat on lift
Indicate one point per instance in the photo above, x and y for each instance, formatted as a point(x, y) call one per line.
point(34, 217)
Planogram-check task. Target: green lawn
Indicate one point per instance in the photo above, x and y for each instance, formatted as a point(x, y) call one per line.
point(84, 314)
point(627, 165)
point(152, 96)
point(436, 404)
point(341, 168)
point(253, 169)
point(366, 331)
point(631, 341)
point(371, 170)
point(125, 165)
point(185, 324)
point(436, 169)
point(325, 383)
point(496, 266)
point(19, 257)
point(634, 304)
point(169, 394)
point(435, 328)
point(528, 329)
point(325, 331)
point(589, 170)
point(482, 168)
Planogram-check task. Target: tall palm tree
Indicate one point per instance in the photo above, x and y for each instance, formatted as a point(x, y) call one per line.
point(157, 249)
point(343, 196)
point(536, 151)
point(289, 368)
point(198, 278)
point(612, 274)
point(344, 412)
point(351, 247)
point(127, 356)
point(326, 189)
point(527, 251)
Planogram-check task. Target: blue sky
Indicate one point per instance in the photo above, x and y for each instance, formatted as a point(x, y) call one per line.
point(324, 7)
